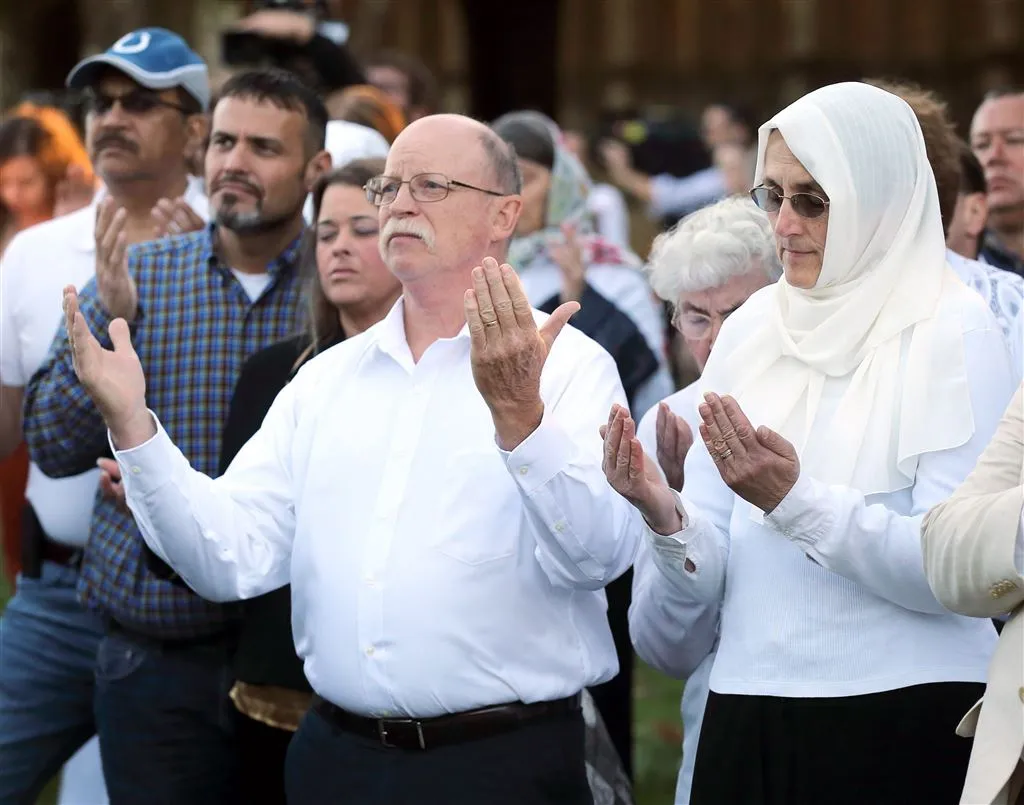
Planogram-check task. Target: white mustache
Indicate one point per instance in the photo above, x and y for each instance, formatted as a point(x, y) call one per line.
point(405, 226)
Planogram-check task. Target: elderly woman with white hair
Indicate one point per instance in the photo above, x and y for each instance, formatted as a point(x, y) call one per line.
point(705, 267)
point(841, 404)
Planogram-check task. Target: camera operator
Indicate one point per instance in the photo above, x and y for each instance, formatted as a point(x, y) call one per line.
point(298, 37)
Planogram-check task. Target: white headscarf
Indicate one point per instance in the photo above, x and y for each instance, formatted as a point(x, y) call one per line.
point(347, 142)
point(869, 327)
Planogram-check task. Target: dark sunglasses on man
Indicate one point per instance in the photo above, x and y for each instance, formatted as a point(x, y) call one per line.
point(806, 205)
point(134, 102)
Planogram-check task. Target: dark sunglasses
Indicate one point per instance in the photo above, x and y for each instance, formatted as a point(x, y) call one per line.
point(135, 102)
point(806, 205)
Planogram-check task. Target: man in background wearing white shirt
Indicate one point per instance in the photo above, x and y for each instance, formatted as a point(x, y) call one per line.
point(145, 105)
point(433, 491)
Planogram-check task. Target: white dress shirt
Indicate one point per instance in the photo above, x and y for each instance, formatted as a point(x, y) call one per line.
point(431, 572)
point(670, 630)
point(36, 266)
point(681, 195)
point(827, 596)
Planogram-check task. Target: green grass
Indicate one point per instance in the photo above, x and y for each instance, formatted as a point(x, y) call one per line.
point(657, 732)
point(657, 735)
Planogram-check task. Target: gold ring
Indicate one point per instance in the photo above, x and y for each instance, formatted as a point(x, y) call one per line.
point(725, 453)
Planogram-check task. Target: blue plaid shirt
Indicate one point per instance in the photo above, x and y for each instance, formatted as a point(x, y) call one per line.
point(196, 327)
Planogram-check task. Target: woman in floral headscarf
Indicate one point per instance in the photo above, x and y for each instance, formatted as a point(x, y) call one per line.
point(559, 258)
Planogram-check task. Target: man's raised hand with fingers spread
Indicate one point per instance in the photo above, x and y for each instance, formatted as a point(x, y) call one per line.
point(508, 350)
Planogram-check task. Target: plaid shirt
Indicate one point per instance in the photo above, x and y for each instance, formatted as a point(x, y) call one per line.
point(196, 327)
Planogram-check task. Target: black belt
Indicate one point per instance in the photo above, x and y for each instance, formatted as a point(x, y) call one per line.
point(38, 547)
point(429, 733)
point(61, 554)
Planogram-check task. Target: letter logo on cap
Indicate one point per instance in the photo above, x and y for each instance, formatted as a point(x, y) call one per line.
point(135, 42)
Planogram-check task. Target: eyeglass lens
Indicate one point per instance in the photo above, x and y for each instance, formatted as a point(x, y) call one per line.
point(383, 190)
point(806, 205)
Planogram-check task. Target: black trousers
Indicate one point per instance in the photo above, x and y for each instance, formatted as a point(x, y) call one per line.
point(262, 750)
point(893, 748)
point(540, 763)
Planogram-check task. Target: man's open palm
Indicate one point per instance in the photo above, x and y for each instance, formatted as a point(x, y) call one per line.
point(113, 378)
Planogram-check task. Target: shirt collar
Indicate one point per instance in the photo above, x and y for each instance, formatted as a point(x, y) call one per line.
point(991, 243)
point(391, 338)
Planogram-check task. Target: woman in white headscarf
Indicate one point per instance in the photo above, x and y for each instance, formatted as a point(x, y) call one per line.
point(842, 404)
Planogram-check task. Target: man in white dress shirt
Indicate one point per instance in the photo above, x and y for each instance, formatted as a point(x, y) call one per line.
point(433, 491)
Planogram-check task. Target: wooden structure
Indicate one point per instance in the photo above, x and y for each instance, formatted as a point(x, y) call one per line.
point(573, 57)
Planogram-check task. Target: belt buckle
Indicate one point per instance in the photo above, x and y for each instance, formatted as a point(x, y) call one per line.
point(382, 731)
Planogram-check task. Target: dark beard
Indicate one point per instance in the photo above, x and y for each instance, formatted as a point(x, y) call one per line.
point(254, 222)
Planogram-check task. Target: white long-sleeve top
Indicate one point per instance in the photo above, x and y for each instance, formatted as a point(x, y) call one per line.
point(827, 596)
point(431, 572)
point(672, 630)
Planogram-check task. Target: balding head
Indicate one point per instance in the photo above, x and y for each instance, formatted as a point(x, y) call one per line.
point(465, 133)
point(454, 233)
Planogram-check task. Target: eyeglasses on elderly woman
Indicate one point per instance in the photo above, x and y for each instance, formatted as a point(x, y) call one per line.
point(806, 205)
point(425, 187)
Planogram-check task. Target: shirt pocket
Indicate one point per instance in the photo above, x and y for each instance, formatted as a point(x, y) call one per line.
point(478, 509)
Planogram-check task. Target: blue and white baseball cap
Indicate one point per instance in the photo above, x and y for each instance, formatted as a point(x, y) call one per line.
point(155, 58)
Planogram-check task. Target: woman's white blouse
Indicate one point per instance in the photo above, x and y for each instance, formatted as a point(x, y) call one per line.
point(827, 595)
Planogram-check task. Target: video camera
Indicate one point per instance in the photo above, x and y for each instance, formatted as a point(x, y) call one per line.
point(241, 48)
point(322, 61)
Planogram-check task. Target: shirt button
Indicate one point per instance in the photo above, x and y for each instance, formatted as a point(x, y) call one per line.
point(560, 526)
point(369, 651)
point(523, 470)
point(136, 470)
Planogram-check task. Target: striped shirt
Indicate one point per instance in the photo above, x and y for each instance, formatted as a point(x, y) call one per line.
point(195, 328)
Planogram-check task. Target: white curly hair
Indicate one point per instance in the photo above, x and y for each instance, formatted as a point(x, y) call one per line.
point(711, 246)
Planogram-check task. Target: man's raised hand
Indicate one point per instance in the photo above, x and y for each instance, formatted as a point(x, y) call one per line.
point(114, 283)
point(508, 350)
point(112, 378)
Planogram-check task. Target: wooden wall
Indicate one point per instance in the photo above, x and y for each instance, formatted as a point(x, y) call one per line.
point(611, 53)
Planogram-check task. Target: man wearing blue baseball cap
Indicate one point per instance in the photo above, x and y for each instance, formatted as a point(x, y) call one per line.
point(144, 97)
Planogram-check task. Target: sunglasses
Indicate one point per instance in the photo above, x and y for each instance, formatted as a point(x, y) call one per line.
point(806, 205)
point(135, 102)
point(426, 187)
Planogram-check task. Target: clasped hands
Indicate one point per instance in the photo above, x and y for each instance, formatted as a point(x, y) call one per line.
point(757, 464)
point(508, 350)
